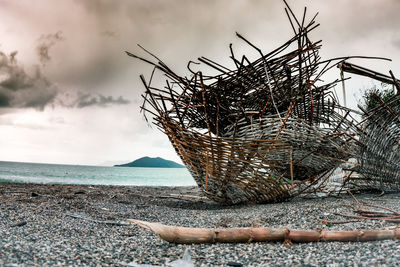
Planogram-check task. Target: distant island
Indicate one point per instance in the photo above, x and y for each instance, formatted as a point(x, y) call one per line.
point(152, 163)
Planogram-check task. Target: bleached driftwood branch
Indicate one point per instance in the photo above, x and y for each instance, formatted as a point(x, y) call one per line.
point(186, 235)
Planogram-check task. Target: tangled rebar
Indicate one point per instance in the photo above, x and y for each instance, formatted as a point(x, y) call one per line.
point(379, 153)
point(265, 131)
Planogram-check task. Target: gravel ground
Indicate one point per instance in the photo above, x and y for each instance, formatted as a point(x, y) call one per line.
point(37, 229)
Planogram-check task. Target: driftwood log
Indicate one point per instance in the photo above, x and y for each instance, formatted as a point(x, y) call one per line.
point(186, 235)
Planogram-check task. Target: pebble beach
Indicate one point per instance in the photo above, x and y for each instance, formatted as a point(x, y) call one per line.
point(66, 225)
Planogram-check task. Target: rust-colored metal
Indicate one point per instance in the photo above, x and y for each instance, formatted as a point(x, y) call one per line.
point(379, 151)
point(228, 127)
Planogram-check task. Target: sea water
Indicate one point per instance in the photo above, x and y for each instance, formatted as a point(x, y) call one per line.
point(93, 175)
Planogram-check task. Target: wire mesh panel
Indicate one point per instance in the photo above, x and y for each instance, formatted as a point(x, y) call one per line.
point(379, 154)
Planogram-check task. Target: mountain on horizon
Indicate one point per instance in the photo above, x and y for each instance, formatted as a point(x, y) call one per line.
point(148, 162)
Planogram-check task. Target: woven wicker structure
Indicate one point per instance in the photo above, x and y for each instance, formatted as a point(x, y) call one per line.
point(247, 169)
point(378, 134)
point(232, 170)
point(379, 154)
point(264, 131)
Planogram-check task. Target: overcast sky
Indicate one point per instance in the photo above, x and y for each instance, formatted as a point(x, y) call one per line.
point(69, 94)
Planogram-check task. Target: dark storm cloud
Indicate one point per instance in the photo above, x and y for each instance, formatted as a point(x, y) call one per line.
point(21, 89)
point(5, 100)
point(87, 100)
point(12, 56)
point(45, 42)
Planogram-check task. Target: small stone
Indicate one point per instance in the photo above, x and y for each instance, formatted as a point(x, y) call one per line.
point(18, 224)
point(232, 263)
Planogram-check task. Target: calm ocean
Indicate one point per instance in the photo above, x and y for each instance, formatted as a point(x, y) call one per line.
point(93, 175)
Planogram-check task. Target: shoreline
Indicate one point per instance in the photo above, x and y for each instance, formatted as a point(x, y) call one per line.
point(36, 227)
point(7, 182)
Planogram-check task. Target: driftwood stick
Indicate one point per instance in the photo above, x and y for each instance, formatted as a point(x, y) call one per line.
point(377, 218)
point(364, 214)
point(361, 203)
point(186, 235)
point(326, 222)
point(380, 207)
